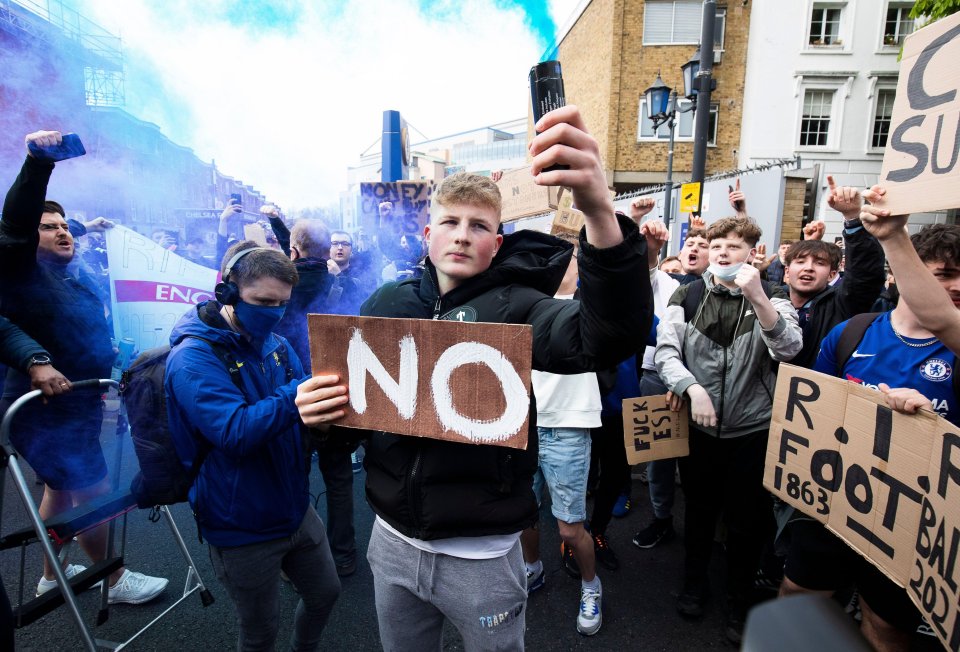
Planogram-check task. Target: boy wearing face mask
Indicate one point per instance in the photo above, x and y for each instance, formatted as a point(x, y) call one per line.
point(715, 349)
point(240, 426)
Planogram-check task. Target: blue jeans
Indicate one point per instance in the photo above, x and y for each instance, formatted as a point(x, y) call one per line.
point(564, 467)
point(660, 473)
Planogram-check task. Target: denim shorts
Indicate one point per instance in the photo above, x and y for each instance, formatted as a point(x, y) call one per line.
point(564, 466)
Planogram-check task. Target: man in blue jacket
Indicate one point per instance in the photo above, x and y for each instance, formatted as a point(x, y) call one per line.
point(240, 426)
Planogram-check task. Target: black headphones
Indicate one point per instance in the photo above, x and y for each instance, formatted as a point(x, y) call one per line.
point(227, 291)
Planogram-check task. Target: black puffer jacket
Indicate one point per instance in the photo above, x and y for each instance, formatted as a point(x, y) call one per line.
point(855, 293)
point(431, 489)
point(311, 294)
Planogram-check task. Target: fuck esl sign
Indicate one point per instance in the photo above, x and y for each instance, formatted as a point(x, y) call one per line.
point(887, 483)
point(652, 431)
point(463, 382)
point(920, 163)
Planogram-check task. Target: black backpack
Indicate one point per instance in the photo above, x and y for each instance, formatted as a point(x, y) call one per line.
point(162, 479)
point(853, 333)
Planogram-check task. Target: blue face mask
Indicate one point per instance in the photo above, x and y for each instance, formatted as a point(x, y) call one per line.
point(725, 273)
point(258, 321)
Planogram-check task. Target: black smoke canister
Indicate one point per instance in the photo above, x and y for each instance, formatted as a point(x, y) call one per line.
point(546, 92)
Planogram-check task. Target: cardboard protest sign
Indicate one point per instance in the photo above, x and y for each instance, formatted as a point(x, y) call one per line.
point(151, 287)
point(521, 196)
point(568, 220)
point(410, 211)
point(256, 233)
point(920, 166)
point(886, 483)
point(457, 381)
point(652, 431)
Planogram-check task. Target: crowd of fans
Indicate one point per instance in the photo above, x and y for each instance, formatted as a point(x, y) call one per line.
point(456, 535)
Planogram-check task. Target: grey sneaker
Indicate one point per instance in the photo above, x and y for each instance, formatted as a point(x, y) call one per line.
point(591, 614)
point(136, 588)
point(45, 585)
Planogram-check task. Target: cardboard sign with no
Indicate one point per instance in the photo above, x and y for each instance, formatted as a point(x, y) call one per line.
point(920, 163)
point(458, 381)
point(521, 197)
point(652, 431)
point(886, 483)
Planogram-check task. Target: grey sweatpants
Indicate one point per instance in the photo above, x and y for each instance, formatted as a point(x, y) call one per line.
point(485, 599)
point(251, 575)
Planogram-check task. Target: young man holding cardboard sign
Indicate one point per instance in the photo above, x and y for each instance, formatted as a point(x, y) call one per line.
point(455, 511)
point(900, 357)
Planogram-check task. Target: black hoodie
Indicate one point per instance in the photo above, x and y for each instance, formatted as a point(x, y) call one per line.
point(431, 489)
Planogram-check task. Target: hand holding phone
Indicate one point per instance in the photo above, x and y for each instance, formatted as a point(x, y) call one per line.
point(235, 198)
point(51, 147)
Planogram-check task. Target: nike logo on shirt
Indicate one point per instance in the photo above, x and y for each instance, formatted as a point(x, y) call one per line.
point(857, 354)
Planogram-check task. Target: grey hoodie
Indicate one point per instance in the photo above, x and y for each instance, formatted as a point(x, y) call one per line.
point(725, 350)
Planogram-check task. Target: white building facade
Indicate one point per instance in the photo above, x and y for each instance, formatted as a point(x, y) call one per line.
point(820, 82)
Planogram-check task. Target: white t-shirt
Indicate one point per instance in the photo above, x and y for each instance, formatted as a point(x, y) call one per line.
point(485, 547)
point(663, 286)
point(566, 400)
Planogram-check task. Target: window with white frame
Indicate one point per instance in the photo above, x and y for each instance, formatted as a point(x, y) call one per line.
point(683, 125)
point(668, 22)
point(677, 22)
point(816, 117)
point(898, 24)
point(826, 21)
point(881, 117)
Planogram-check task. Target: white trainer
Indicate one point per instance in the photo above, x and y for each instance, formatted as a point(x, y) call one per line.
point(45, 585)
point(136, 588)
point(590, 616)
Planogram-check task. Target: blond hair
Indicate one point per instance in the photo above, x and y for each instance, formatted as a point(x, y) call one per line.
point(467, 188)
point(743, 227)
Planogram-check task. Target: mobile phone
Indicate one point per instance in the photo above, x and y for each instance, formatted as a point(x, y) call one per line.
point(235, 198)
point(69, 147)
point(174, 235)
point(737, 205)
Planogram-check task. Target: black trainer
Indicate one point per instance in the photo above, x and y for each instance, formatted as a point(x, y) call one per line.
point(690, 603)
point(605, 555)
point(659, 531)
point(569, 562)
point(734, 619)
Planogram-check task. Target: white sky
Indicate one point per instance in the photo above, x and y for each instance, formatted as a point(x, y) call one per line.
point(287, 108)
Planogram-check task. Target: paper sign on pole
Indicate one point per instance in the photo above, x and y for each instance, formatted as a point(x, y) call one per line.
point(920, 163)
point(458, 381)
point(521, 197)
point(151, 287)
point(690, 197)
point(886, 483)
point(652, 431)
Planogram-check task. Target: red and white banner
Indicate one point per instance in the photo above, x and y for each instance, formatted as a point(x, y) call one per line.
point(151, 287)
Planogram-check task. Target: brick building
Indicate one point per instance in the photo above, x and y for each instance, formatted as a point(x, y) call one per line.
point(611, 52)
point(62, 71)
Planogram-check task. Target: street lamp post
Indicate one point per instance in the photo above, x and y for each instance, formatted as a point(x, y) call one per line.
point(662, 108)
point(704, 86)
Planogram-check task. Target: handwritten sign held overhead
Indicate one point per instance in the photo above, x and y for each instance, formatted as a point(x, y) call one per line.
point(886, 483)
point(652, 431)
point(921, 169)
point(463, 382)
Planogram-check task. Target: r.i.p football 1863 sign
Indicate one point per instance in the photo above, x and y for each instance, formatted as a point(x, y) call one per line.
point(886, 483)
point(464, 382)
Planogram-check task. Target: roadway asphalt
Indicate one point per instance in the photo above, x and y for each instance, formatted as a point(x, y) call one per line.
point(638, 608)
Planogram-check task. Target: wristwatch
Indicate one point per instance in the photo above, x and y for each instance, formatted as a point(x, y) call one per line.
point(39, 359)
point(852, 224)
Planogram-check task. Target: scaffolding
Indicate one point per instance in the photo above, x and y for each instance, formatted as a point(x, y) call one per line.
point(102, 51)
